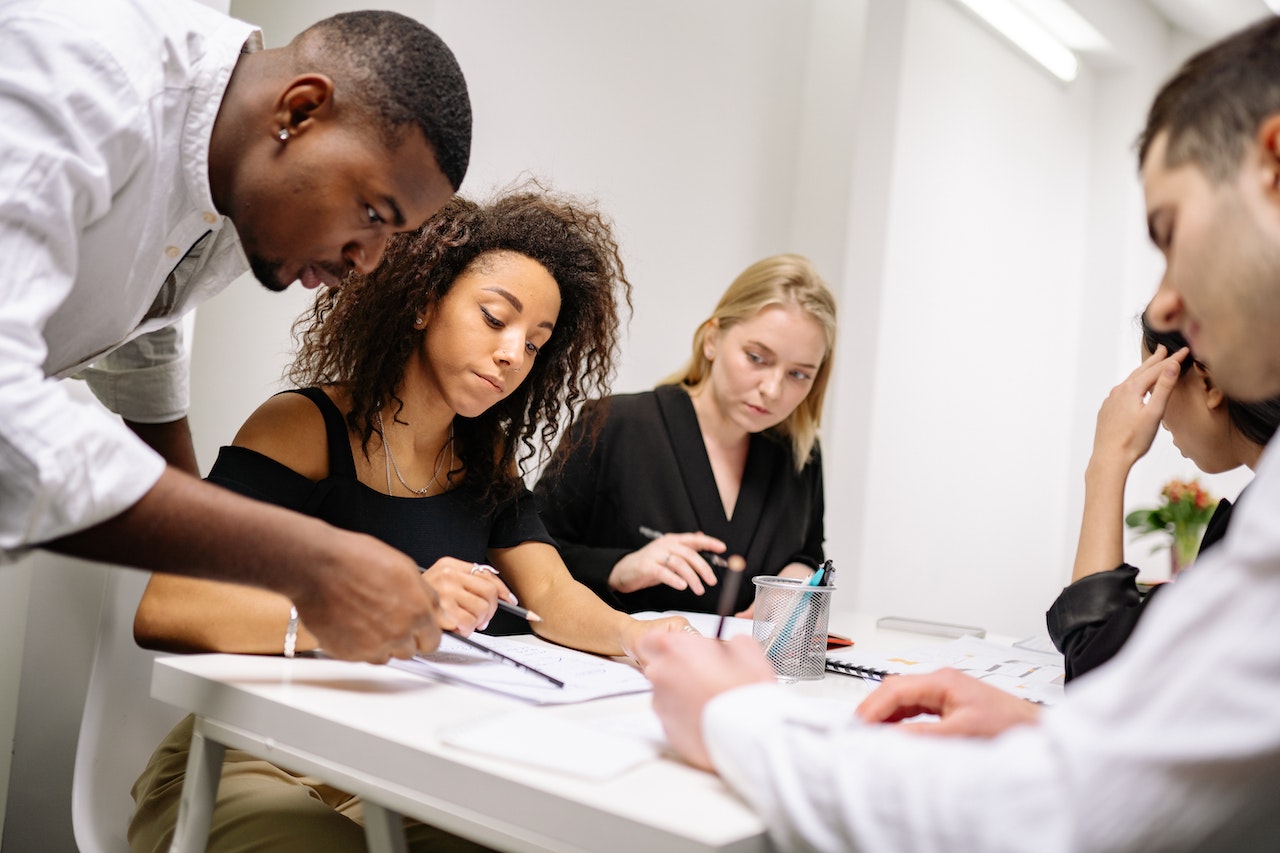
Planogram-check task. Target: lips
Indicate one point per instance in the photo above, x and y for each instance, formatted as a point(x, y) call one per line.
point(496, 383)
point(313, 276)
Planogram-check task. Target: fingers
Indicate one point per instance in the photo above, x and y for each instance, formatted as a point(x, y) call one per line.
point(467, 597)
point(904, 696)
point(1169, 370)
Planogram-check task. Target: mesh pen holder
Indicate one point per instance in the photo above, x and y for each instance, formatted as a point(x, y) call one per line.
point(790, 624)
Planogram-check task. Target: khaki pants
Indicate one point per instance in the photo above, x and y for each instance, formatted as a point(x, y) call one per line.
point(260, 807)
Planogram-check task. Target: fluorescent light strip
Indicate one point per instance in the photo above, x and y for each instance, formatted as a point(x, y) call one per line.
point(1034, 40)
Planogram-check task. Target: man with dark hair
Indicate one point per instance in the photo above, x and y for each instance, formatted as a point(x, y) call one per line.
point(1174, 744)
point(150, 152)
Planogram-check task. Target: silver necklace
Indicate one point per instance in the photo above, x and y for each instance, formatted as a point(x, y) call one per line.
point(389, 462)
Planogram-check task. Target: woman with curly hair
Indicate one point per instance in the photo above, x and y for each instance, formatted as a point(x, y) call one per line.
point(424, 386)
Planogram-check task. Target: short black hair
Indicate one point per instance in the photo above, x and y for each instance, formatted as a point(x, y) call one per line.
point(1216, 102)
point(402, 74)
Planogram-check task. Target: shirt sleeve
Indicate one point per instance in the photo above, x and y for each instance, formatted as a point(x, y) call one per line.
point(147, 380)
point(64, 465)
point(1162, 748)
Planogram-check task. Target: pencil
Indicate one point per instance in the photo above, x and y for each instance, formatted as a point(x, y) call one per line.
point(500, 656)
point(729, 592)
point(517, 610)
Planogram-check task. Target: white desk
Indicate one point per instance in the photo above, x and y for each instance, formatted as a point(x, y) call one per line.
point(375, 731)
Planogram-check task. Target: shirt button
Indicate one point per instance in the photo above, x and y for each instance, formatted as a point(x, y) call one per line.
point(172, 251)
point(210, 217)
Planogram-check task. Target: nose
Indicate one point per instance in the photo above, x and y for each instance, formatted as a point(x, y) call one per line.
point(1165, 310)
point(510, 352)
point(769, 384)
point(364, 255)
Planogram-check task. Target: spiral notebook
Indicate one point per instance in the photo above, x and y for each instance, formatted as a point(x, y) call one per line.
point(1023, 672)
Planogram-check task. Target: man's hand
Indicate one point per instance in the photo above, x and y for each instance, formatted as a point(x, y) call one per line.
point(965, 705)
point(688, 672)
point(369, 603)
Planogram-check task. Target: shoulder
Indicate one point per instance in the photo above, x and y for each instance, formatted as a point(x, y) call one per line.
point(290, 429)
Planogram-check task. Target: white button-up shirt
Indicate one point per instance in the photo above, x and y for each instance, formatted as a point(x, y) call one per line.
point(106, 112)
point(1174, 744)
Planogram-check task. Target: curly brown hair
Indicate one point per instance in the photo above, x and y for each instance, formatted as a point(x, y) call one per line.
point(360, 335)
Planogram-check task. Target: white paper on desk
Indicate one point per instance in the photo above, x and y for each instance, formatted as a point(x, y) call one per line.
point(585, 676)
point(1022, 672)
point(536, 738)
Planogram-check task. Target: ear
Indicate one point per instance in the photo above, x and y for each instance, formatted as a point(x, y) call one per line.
point(711, 339)
point(1213, 396)
point(306, 100)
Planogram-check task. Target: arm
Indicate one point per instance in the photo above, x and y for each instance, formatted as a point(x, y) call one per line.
point(172, 441)
point(569, 501)
point(572, 615)
point(358, 596)
point(1127, 424)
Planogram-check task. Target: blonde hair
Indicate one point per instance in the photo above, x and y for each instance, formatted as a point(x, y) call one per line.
point(786, 280)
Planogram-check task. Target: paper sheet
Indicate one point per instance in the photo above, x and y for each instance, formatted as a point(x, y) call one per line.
point(534, 737)
point(1022, 672)
point(585, 676)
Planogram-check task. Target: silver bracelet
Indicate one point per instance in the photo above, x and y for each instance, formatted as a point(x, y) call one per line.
point(291, 633)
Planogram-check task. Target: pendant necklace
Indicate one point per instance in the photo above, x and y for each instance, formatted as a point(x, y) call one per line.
point(389, 462)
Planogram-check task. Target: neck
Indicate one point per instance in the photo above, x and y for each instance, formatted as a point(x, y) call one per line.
point(712, 421)
point(243, 124)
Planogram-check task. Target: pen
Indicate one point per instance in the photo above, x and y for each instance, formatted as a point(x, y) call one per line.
point(729, 592)
point(500, 656)
point(710, 556)
point(517, 610)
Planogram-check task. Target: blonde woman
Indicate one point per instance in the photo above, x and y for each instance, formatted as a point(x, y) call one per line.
point(720, 459)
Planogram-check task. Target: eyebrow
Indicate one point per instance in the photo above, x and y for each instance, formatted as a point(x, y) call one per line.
point(397, 217)
point(771, 352)
point(516, 303)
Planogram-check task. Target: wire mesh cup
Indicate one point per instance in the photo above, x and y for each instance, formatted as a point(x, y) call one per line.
point(790, 624)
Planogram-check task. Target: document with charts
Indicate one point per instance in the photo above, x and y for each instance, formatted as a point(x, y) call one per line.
point(1029, 674)
point(585, 676)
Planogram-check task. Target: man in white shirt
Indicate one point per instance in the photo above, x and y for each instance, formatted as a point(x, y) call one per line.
point(1172, 745)
point(150, 153)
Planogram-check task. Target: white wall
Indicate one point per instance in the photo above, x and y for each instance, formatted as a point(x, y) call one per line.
point(980, 222)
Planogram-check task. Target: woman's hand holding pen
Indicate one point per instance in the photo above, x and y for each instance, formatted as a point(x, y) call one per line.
point(468, 593)
point(671, 559)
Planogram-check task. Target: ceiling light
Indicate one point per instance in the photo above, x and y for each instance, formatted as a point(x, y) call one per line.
point(1028, 34)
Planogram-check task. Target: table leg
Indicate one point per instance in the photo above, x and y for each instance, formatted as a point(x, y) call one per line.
point(383, 829)
point(200, 787)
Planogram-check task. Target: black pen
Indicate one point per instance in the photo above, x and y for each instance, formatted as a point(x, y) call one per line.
point(729, 591)
point(710, 556)
point(500, 656)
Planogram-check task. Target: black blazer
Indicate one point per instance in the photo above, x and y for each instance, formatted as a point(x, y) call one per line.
point(649, 468)
point(1092, 618)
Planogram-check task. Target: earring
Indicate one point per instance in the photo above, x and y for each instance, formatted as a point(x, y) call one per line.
point(283, 135)
point(418, 324)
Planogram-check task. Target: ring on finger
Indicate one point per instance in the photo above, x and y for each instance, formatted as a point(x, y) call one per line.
point(482, 567)
point(666, 561)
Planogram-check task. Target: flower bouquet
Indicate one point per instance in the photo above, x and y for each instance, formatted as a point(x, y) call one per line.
point(1184, 511)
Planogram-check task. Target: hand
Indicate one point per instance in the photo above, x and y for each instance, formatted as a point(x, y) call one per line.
point(967, 707)
point(636, 629)
point(688, 672)
point(468, 597)
point(366, 602)
point(799, 571)
point(1129, 418)
point(671, 559)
